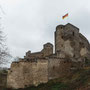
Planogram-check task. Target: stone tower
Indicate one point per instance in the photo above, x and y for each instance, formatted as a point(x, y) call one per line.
point(67, 40)
point(47, 49)
point(72, 49)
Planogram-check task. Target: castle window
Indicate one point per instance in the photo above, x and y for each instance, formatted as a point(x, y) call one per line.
point(73, 33)
point(74, 55)
point(53, 67)
point(61, 27)
point(25, 85)
point(72, 66)
point(62, 37)
point(61, 45)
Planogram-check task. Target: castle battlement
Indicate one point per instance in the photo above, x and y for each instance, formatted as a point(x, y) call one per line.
point(71, 51)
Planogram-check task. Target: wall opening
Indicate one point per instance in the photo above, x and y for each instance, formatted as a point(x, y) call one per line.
point(62, 37)
point(61, 27)
point(73, 33)
point(53, 67)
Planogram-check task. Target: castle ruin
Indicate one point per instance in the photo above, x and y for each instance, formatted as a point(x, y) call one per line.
point(71, 50)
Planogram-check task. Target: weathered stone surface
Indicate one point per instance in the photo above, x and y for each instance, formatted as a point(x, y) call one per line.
point(69, 40)
point(24, 74)
point(71, 50)
point(46, 51)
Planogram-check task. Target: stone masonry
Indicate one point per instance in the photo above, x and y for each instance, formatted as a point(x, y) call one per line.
point(71, 51)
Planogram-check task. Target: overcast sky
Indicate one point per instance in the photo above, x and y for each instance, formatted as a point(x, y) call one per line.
point(29, 24)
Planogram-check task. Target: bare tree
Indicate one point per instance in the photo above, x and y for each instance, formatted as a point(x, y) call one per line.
point(3, 48)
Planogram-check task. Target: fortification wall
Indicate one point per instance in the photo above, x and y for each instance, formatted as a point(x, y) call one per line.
point(71, 49)
point(46, 51)
point(58, 67)
point(54, 66)
point(34, 55)
point(40, 72)
point(24, 74)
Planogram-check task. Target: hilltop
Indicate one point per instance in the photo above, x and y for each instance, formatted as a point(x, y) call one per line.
point(67, 68)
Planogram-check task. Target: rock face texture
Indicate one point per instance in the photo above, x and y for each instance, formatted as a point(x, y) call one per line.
point(71, 51)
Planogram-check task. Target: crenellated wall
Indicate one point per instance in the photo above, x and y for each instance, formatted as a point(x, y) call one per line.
point(24, 73)
point(71, 50)
point(46, 51)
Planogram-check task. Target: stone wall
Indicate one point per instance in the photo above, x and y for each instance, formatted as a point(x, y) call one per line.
point(33, 55)
point(24, 74)
point(70, 41)
point(66, 39)
point(46, 51)
point(71, 49)
point(58, 67)
point(54, 68)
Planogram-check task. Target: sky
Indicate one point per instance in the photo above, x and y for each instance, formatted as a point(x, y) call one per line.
point(28, 24)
